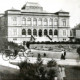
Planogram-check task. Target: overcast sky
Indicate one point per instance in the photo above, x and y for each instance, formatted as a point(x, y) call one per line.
point(72, 6)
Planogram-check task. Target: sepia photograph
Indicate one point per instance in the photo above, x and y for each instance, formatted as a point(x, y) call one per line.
point(39, 39)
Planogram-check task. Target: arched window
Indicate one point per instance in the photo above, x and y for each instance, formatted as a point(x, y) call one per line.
point(50, 22)
point(50, 32)
point(34, 32)
point(55, 22)
point(35, 22)
point(23, 32)
point(40, 32)
point(40, 22)
point(24, 21)
point(28, 21)
point(55, 32)
point(29, 31)
point(45, 22)
point(45, 32)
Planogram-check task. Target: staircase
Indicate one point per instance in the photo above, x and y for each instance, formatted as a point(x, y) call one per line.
point(49, 37)
point(32, 38)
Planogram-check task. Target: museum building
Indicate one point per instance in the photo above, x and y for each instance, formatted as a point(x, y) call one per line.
point(32, 23)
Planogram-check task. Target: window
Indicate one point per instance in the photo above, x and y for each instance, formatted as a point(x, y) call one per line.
point(50, 22)
point(23, 32)
point(50, 32)
point(64, 23)
point(14, 39)
point(24, 21)
point(55, 32)
point(64, 32)
point(45, 22)
point(14, 32)
point(45, 32)
point(28, 21)
point(71, 33)
point(14, 21)
point(34, 32)
point(40, 22)
point(56, 22)
point(29, 31)
point(35, 22)
point(40, 33)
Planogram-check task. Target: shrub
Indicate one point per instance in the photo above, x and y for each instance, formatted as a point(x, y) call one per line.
point(51, 63)
point(29, 71)
point(78, 50)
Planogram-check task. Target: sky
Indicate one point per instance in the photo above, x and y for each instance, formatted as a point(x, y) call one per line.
point(71, 6)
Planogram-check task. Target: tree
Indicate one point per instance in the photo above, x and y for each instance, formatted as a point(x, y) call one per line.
point(28, 71)
point(42, 72)
point(52, 70)
point(78, 50)
point(39, 60)
point(51, 74)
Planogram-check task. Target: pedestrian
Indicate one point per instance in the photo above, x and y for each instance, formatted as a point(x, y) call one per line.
point(62, 56)
point(64, 53)
point(15, 52)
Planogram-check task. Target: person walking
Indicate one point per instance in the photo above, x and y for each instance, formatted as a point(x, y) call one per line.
point(62, 56)
point(64, 53)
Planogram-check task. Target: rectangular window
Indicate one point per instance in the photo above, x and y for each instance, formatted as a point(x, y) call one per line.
point(64, 23)
point(14, 21)
point(40, 22)
point(51, 24)
point(35, 23)
point(14, 39)
point(29, 21)
point(64, 32)
point(55, 23)
point(14, 32)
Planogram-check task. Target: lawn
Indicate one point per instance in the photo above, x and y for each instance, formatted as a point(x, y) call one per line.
point(54, 50)
point(51, 54)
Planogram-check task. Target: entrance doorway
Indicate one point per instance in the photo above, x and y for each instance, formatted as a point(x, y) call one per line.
point(40, 33)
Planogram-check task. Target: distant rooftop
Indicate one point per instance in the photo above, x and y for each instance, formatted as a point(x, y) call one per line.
point(61, 11)
point(77, 26)
point(13, 9)
point(32, 7)
point(32, 4)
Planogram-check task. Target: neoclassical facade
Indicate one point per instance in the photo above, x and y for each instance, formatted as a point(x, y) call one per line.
point(32, 23)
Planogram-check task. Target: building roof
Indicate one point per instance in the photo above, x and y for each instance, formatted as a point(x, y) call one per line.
point(32, 7)
point(61, 11)
point(77, 27)
point(13, 9)
point(32, 4)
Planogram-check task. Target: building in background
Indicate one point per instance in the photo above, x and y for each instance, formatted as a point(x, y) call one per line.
point(76, 33)
point(32, 23)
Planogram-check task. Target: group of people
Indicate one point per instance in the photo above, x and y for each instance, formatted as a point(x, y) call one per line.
point(63, 55)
